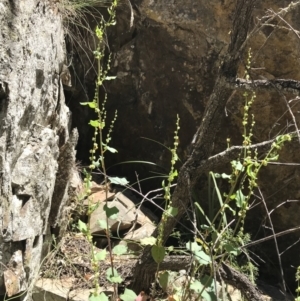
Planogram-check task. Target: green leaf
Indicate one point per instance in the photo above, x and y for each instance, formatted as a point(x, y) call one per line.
point(112, 212)
point(110, 77)
point(118, 181)
point(102, 223)
point(210, 291)
point(148, 241)
point(197, 286)
point(82, 227)
point(173, 175)
point(172, 211)
point(113, 276)
point(158, 253)
point(100, 297)
point(164, 280)
point(120, 249)
point(237, 165)
point(91, 104)
point(101, 255)
point(275, 158)
point(96, 163)
point(214, 236)
point(240, 198)
point(93, 207)
point(206, 227)
point(94, 123)
point(170, 248)
point(225, 176)
point(200, 255)
point(135, 162)
point(232, 249)
point(250, 172)
point(99, 32)
point(208, 281)
point(128, 295)
point(193, 247)
point(110, 149)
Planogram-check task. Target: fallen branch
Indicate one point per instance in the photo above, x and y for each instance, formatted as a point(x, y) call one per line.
point(233, 152)
point(241, 282)
point(285, 232)
point(283, 85)
point(279, 85)
point(224, 273)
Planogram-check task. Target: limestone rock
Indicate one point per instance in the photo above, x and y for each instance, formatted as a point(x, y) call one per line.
point(14, 275)
point(61, 290)
point(98, 195)
point(34, 129)
point(146, 230)
point(52, 289)
point(127, 215)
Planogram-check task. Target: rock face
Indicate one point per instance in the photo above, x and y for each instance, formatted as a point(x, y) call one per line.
point(34, 137)
point(166, 65)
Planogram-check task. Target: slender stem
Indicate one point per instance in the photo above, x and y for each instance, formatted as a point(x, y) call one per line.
point(102, 151)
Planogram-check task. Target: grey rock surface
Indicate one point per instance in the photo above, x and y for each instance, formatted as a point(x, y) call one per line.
point(128, 215)
point(34, 128)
